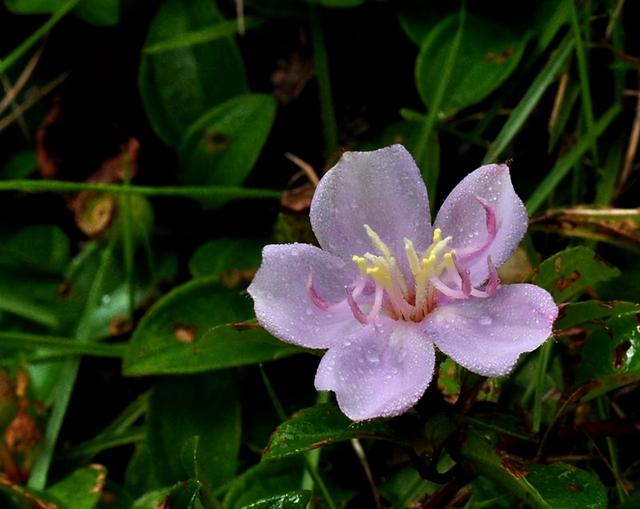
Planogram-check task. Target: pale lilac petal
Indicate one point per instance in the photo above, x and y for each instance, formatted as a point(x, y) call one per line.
point(383, 189)
point(380, 372)
point(463, 215)
point(488, 335)
point(283, 303)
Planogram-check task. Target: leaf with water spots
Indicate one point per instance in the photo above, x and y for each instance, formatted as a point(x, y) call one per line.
point(197, 327)
point(293, 500)
point(611, 355)
point(591, 310)
point(569, 273)
point(556, 486)
point(320, 425)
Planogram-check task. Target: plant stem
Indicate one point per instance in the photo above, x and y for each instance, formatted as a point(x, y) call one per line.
point(613, 452)
point(61, 346)
point(17, 53)
point(585, 88)
point(566, 162)
point(429, 173)
point(541, 371)
point(321, 66)
point(69, 373)
point(195, 192)
point(310, 466)
point(127, 235)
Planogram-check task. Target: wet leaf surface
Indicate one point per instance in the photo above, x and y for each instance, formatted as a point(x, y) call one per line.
point(318, 426)
point(198, 327)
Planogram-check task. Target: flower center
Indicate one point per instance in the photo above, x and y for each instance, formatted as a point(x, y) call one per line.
point(405, 298)
point(411, 290)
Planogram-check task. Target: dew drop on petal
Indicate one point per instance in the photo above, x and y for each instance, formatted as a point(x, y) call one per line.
point(372, 356)
point(485, 320)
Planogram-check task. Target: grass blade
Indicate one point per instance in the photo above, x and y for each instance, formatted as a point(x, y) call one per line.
point(564, 164)
point(17, 53)
point(423, 158)
point(57, 345)
point(201, 193)
point(38, 478)
point(321, 66)
point(531, 98)
point(219, 31)
point(583, 74)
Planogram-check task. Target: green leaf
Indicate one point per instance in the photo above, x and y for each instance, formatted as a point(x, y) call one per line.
point(221, 147)
point(195, 328)
point(631, 502)
point(181, 496)
point(204, 406)
point(15, 496)
point(449, 380)
point(317, 426)
point(113, 298)
point(140, 475)
point(612, 350)
point(31, 265)
point(264, 480)
point(57, 379)
point(581, 312)
point(99, 12)
point(40, 247)
point(82, 489)
point(96, 12)
point(177, 86)
point(418, 19)
point(550, 16)
point(220, 257)
point(559, 485)
point(405, 487)
point(567, 487)
point(566, 275)
point(19, 165)
point(337, 3)
point(294, 500)
point(219, 31)
point(32, 6)
point(488, 54)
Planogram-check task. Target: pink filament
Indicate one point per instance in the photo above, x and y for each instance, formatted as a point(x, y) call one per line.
point(318, 301)
point(491, 222)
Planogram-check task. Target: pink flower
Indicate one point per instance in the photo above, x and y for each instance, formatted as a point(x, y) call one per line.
point(387, 286)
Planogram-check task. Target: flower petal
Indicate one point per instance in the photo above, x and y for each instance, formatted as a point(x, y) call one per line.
point(284, 305)
point(382, 189)
point(380, 372)
point(487, 335)
point(464, 215)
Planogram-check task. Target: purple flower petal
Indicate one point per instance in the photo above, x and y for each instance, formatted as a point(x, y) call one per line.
point(380, 372)
point(382, 189)
point(464, 215)
point(284, 305)
point(487, 336)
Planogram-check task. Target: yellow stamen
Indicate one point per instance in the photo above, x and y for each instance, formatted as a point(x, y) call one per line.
point(377, 243)
point(412, 256)
point(385, 271)
point(447, 261)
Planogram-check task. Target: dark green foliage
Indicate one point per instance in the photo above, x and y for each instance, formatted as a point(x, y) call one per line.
point(142, 157)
